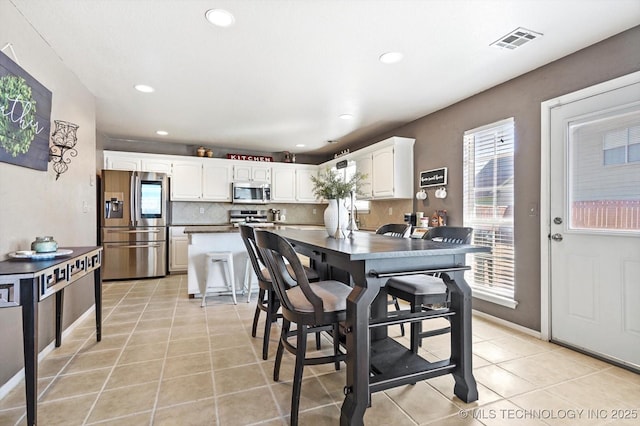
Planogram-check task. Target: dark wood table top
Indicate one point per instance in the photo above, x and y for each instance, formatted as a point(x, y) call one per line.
point(29, 266)
point(367, 245)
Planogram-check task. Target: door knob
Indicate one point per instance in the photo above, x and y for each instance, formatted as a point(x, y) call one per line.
point(556, 237)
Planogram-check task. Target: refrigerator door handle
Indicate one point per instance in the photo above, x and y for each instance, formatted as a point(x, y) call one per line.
point(132, 199)
point(132, 246)
point(133, 231)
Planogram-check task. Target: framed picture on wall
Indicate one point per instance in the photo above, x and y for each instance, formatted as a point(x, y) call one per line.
point(434, 177)
point(25, 114)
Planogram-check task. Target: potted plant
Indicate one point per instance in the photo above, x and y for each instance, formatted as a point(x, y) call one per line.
point(331, 186)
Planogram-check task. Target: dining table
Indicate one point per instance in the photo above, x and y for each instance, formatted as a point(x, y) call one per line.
point(374, 361)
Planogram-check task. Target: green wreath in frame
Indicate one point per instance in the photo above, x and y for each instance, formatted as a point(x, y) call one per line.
point(18, 126)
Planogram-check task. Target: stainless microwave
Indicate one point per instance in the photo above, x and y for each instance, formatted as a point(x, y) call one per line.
point(251, 192)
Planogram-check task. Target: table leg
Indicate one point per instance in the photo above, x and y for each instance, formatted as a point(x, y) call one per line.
point(97, 283)
point(357, 397)
point(59, 309)
point(29, 296)
point(461, 354)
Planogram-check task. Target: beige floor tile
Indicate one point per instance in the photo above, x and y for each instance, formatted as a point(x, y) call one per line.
point(149, 337)
point(233, 409)
point(189, 332)
point(69, 411)
point(445, 385)
point(188, 346)
point(504, 413)
point(553, 409)
point(92, 360)
point(599, 391)
point(108, 341)
point(198, 413)
point(132, 420)
point(154, 324)
point(121, 402)
point(328, 415)
point(11, 416)
point(157, 314)
point(140, 353)
point(186, 364)
point(546, 369)
point(233, 357)
point(501, 381)
point(134, 374)
point(334, 383)
point(16, 396)
point(185, 389)
point(236, 379)
point(118, 328)
point(384, 411)
point(75, 384)
point(414, 398)
point(312, 394)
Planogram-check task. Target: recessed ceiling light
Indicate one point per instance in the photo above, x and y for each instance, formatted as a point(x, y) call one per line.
point(144, 88)
point(220, 17)
point(346, 116)
point(162, 133)
point(391, 57)
point(300, 145)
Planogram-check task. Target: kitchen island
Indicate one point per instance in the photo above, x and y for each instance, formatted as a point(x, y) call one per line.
point(207, 238)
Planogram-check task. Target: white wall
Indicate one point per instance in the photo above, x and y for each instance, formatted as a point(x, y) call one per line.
point(32, 202)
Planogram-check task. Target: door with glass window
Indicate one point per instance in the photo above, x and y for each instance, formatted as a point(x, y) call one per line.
point(595, 224)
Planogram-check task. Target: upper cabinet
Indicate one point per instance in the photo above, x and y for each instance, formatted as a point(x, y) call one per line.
point(198, 179)
point(291, 183)
point(364, 166)
point(135, 161)
point(248, 171)
point(304, 185)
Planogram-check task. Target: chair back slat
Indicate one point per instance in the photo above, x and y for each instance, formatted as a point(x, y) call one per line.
point(277, 252)
point(450, 234)
point(400, 230)
point(249, 239)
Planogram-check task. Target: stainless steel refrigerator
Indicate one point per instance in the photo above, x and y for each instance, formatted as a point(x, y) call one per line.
point(134, 224)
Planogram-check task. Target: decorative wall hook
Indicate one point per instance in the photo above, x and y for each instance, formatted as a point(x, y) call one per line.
point(63, 142)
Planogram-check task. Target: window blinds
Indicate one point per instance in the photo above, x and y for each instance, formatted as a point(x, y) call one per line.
point(488, 206)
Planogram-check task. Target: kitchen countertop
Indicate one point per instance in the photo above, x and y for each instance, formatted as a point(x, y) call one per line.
point(212, 229)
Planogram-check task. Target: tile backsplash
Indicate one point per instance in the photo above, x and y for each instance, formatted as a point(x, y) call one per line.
point(194, 213)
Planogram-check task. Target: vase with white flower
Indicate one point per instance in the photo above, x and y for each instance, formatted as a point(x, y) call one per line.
point(332, 186)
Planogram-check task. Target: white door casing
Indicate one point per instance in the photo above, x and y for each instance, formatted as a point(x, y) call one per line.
point(591, 278)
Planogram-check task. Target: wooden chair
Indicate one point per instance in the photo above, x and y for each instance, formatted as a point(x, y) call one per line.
point(399, 230)
point(312, 307)
point(428, 292)
point(268, 301)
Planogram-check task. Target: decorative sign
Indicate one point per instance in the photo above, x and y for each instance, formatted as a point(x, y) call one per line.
point(243, 157)
point(342, 164)
point(435, 177)
point(25, 113)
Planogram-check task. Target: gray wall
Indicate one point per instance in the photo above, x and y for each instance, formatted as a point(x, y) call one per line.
point(439, 144)
point(34, 202)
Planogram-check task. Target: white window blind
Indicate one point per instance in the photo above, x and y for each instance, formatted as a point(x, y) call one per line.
point(488, 207)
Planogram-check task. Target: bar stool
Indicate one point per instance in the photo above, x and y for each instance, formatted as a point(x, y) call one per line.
point(214, 257)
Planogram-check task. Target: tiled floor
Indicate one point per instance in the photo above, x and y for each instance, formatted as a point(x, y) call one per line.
point(163, 360)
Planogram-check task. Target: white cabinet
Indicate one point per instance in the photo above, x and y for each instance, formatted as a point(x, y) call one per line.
point(186, 181)
point(216, 180)
point(178, 249)
point(283, 184)
point(304, 185)
point(392, 169)
point(121, 161)
point(135, 161)
point(251, 172)
point(364, 166)
point(201, 180)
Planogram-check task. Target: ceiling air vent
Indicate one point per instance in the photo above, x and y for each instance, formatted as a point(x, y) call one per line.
point(516, 38)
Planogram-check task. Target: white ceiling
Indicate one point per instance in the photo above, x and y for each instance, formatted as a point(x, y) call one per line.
point(286, 70)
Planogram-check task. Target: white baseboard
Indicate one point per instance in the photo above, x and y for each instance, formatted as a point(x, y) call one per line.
point(19, 376)
point(508, 324)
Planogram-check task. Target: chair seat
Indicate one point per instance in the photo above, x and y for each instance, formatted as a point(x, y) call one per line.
point(312, 275)
point(333, 294)
point(420, 286)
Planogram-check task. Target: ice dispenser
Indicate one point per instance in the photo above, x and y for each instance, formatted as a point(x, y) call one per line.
point(113, 206)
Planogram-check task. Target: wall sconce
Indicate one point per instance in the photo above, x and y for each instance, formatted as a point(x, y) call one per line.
point(63, 141)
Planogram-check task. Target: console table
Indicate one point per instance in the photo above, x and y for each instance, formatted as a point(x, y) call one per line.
point(25, 283)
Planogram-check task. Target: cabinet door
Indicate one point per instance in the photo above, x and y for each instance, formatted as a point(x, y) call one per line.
point(156, 165)
point(261, 173)
point(364, 166)
point(383, 172)
point(179, 254)
point(242, 173)
point(283, 187)
point(122, 162)
point(216, 181)
point(186, 181)
point(304, 186)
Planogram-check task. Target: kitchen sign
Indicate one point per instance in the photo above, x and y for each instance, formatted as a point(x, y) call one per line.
point(435, 177)
point(260, 158)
